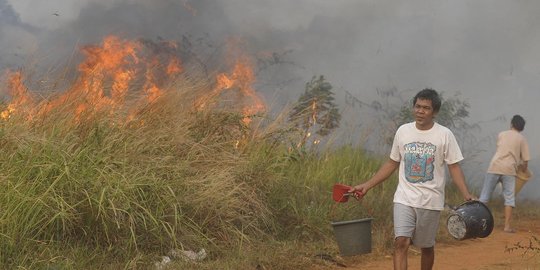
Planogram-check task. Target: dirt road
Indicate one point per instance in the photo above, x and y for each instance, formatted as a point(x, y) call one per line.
point(475, 254)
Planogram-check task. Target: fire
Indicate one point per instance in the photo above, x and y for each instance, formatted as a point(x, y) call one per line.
point(114, 61)
point(240, 79)
point(104, 81)
point(223, 81)
point(174, 67)
point(118, 69)
point(21, 99)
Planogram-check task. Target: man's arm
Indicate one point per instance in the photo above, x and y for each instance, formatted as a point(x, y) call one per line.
point(459, 180)
point(382, 174)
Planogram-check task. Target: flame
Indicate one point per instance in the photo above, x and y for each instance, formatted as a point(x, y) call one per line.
point(223, 81)
point(118, 69)
point(113, 60)
point(20, 97)
point(174, 67)
point(104, 79)
point(314, 111)
point(241, 79)
point(245, 73)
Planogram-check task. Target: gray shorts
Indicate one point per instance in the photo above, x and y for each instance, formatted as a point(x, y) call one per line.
point(421, 225)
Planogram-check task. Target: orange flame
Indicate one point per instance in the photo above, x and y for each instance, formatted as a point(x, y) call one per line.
point(105, 78)
point(241, 79)
point(174, 67)
point(108, 62)
point(20, 97)
point(117, 67)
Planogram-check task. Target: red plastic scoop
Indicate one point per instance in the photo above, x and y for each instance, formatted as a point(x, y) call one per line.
point(340, 193)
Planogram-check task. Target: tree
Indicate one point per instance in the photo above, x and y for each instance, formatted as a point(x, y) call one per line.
point(315, 111)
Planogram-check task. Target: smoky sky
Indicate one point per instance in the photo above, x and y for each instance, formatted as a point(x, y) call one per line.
point(488, 51)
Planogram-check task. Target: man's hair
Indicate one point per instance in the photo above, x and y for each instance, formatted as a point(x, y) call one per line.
point(518, 122)
point(429, 94)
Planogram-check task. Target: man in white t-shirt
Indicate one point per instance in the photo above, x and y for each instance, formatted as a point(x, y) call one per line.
point(512, 149)
point(420, 150)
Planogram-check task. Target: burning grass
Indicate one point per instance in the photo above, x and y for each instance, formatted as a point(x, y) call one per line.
point(152, 184)
point(97, 190)
point(125, 165)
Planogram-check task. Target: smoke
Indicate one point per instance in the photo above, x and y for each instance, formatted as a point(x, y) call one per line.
point(8, 14)
point(16, 37)
point(486, 50)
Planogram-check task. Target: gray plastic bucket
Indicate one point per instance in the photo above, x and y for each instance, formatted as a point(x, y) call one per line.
point(353, 237)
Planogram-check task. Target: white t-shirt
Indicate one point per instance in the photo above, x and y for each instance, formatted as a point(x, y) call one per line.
point(422, 155)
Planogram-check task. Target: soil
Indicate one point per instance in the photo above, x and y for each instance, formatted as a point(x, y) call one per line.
point(491, 252)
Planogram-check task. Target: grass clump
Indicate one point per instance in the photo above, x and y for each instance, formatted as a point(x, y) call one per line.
point(139, 187)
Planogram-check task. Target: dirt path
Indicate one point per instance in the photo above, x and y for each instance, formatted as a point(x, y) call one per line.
point(474, 254)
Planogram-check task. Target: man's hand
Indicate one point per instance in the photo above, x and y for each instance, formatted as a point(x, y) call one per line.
point(359, 191)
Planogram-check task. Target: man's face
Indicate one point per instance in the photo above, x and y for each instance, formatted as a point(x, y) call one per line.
point(423, 114)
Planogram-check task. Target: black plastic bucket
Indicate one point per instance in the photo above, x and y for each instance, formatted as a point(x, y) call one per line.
point(471, 219)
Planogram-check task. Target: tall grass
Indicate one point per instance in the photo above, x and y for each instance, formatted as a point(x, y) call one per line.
point(166, 179)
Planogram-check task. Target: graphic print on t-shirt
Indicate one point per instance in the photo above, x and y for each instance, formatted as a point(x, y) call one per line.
point(419, 159)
